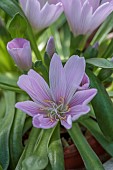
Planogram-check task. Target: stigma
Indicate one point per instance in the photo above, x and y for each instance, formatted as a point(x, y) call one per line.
point(55, 111)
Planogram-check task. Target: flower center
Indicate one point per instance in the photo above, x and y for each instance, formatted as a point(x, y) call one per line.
point(56, 111)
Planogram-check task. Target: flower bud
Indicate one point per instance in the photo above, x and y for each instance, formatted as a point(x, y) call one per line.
point(20, 51)
point(86, 16)
point(96, 45)
point(41, 13)
point(50, 48)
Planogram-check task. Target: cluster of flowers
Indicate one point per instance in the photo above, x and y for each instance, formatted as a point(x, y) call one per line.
point(67, 97)
point(83, 16)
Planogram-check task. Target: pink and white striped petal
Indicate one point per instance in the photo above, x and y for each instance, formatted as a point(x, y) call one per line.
point(74, 70)
point(83, 97)
point(57, 78)
point(39, 121)
point(78, 111)
point(29, 107)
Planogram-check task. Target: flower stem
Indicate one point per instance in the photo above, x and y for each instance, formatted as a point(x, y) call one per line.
point(33, 42)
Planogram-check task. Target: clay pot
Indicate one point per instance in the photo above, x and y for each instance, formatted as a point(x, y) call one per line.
point(73, 160)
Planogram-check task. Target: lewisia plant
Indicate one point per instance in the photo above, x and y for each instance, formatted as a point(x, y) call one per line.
point(41, 13)
point(45, 109)
point(84, 16)
point(65, 100)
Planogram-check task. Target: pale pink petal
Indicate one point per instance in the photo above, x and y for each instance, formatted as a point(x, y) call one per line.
point(104, 1)
point(40, 13)
point(82, 2)
point(78, 111)
point(28, 107)
point(54, 1)
point(85, 83)
point(49, 14)
point(39, 121)
point(67, 123)
point(42, 3)
point(23, 4)
point(57, 78)
point(85, 18)
point(25, 84)
point(40, 83)
point(35, 91)
point(83, 97)
point(72, 10)
point(75, 70)
point(95, 4)
point(32, 11)
point(100, 15)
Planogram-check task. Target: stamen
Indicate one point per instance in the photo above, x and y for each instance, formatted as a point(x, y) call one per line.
point(51, 120)
point(61, 100)
point(68, 110)
point(44, 108)
point(48, 101)
point(56, 111)
point(63, 118)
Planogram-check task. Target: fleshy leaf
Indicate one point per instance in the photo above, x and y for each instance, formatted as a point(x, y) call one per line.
point(89, 157)
point(17, 26)
point(100, 62)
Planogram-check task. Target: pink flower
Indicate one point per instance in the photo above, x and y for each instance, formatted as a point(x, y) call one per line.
point(20, 51)
point(84, 16)
point(41, 13)
point(61, 101)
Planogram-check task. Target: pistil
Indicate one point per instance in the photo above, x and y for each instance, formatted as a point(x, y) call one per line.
point(56, 111)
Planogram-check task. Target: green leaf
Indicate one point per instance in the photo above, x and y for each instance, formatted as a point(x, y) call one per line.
point(109, 51)
point(2, 106)
point(8, 80)
point(5, 125)
point(77, 43)
point(6, 62)
point(100, 62)
point(95, 130)
point(34, 137)
point(39, 159)
point(90, 52)
point(16, 146)
point(9, 88)
point(65, 39)
point(4, 34)
point(10, 7)
point(1, 168)
point(55, 149)
point(103, 106)
point(17, 26)
point(48, 167)
point(104, 74)
point(89, 157)
point(39, 67)
point(27, 124)
point(47, 60)
point(102, 32)
point(110, 94)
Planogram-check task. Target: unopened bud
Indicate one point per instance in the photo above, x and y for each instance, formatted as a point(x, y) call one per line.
point(20, 51)
point(50, 48)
